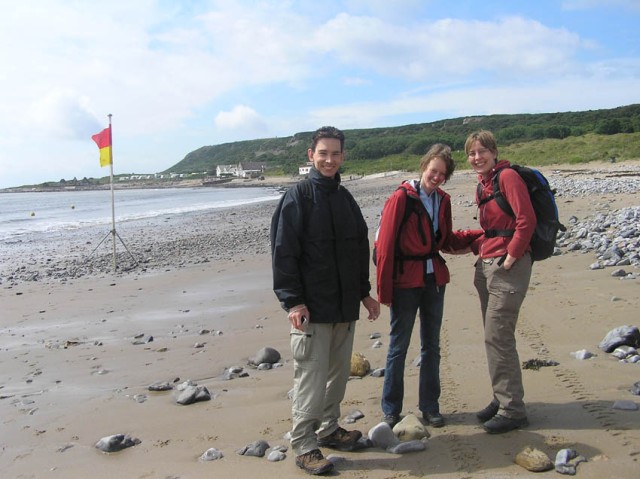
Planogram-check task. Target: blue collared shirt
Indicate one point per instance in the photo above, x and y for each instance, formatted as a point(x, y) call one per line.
point(432, 205)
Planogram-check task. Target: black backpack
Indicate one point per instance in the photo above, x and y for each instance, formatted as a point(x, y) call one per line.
point(411, 206)
point(543, 200)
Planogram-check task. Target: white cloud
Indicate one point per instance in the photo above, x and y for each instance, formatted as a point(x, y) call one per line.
point(241, 118)
point(448, 46)
point(179, 75)
point(64, 114)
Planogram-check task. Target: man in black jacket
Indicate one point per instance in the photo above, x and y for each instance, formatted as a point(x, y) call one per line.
point(320, 251)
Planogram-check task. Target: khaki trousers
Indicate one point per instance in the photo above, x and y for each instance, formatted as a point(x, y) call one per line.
point(501, 294)
point(321, 366)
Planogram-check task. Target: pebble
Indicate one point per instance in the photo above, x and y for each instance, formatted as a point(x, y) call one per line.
point(234, 372)
point(353, 416)
point(211, 454)
point(160, 386)
point(257, 449)
point(116, 442)
point(408, 446)
point(624, 351)
point(276, 456)
point(146, 340)
point(567, 461)
point(625, 405)
point(582, 354)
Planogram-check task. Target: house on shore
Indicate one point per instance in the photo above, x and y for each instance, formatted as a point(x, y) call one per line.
point(304, 170)
point(250, 169)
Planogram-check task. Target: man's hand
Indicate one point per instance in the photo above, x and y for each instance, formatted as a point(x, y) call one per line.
point(372, 306)
point(296, 315)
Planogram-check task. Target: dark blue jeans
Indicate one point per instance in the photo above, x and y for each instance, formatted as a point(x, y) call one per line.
point(404, 307)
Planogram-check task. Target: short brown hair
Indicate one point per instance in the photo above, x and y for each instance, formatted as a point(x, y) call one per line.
point(486, 139)
point(442, 151)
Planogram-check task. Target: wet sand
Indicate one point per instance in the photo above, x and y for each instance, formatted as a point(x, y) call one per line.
point(70, 373)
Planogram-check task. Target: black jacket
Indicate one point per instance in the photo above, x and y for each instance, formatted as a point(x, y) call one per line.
point(320, 250)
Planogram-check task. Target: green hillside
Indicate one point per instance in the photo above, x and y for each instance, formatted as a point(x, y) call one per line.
point(535, 139)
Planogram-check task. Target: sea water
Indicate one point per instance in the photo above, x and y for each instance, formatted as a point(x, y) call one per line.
point(23, 215)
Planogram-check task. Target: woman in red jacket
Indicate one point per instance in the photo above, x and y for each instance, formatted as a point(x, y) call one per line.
point(501, 278)
point(415, 226)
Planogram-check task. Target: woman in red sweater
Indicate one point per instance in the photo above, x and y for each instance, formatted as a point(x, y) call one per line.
point(502, 276)
point(411, 275)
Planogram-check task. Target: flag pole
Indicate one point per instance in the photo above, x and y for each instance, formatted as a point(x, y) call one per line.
point(104, 141)
point(113, 207)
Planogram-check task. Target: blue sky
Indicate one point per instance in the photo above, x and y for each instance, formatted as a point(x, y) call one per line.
point(178, 75)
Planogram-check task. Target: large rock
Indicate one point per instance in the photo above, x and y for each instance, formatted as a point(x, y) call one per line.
point(620, 336)
point(533, 460)
point(382, 436)
point(265, 355)
point(360, 365)
point(410, 429)
point(192, 394)
point(256, 448)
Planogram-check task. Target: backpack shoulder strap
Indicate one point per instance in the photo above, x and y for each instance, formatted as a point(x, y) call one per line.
point(499, 197)
point(305, 188)
point(495, 195)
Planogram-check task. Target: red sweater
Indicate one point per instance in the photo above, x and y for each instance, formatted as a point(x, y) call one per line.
point(411, 275)
point(491, 215)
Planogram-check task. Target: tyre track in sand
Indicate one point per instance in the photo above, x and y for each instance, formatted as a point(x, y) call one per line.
point(460, 447)
point(597, 409)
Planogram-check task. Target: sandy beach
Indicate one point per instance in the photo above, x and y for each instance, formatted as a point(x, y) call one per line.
point(71, 374)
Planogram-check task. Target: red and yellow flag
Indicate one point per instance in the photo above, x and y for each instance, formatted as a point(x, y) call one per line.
point(103, 140)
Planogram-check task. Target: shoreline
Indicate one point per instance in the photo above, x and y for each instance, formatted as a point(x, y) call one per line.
point(179, 240)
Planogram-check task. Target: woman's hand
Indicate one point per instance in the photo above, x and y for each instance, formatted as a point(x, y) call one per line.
point(508, 262)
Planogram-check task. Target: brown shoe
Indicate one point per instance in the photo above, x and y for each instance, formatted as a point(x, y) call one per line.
point(341, 440)
point(313, 462)
point(488, 412)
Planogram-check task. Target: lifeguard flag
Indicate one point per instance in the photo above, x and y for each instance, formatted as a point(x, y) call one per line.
point(103, 140)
